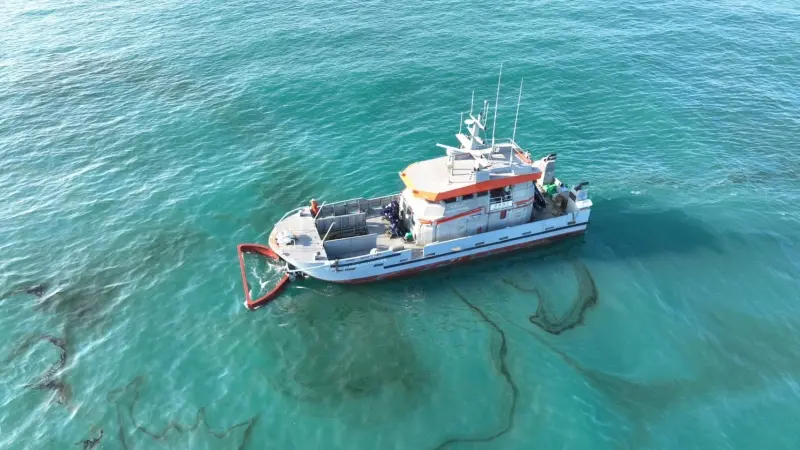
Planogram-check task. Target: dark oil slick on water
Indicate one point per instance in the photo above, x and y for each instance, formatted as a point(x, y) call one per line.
point(50, 380)
point(503, 369)
point(382, 361)
point(125, 399)
point(89, 444)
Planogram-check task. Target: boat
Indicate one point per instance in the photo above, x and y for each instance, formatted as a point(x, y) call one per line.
point(482, 197)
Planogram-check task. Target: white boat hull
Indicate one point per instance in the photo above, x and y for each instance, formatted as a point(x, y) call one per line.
point(391, 264)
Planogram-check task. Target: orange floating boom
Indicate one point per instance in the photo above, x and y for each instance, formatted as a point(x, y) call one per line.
point(269, 296)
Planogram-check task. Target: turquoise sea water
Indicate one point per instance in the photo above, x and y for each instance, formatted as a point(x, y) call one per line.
point(141, 141)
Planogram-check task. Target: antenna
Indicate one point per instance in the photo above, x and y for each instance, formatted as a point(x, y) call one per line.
point(471, 102)
point(519, 99)
point(461, 121)
point(495, 101)
point(485, 115)
point(516, 116)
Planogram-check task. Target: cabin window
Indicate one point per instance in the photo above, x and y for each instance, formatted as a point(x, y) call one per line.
point(468, 196)
point(450, 200)
point(482, 193)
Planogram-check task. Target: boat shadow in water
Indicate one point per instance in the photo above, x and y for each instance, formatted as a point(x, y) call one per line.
point(632, 227)
point(644, 401)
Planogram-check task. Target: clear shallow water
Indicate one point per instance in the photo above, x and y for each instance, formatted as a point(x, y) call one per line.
point(140, 143)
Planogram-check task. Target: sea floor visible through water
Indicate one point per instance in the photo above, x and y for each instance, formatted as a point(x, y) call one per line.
point(141, 142)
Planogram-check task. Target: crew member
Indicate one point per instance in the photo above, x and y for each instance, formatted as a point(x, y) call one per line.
point(314, 207)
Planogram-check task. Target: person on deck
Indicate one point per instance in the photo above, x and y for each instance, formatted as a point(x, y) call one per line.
point(314, 207)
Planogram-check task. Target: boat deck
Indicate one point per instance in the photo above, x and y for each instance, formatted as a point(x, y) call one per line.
point(308, 242)
point(548, 212)
point(308, 246)
point(378, 225)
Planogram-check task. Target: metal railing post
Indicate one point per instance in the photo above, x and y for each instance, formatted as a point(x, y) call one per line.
point(328, 232)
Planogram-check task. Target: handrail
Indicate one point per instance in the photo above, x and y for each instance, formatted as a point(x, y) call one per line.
point(329, 230)
point(503, 199)
point(346, 201)
point(331, 205)
point(291, 212)
point(356, 199)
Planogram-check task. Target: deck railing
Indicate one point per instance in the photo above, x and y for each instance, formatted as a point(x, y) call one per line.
point(345, 226)
point(355, 206)
point(503, 202)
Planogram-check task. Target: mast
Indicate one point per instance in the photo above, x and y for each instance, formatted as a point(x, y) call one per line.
point(497, 98)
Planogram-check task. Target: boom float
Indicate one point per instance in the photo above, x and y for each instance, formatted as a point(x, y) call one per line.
point(266, 298)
